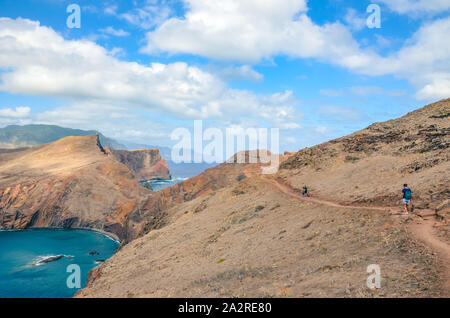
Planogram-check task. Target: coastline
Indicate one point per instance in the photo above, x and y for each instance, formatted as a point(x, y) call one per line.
point(110, 235)
point(158, 184)
point(32, 258)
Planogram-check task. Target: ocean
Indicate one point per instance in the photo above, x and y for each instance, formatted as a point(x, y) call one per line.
point(24, 272)
point(159, 184)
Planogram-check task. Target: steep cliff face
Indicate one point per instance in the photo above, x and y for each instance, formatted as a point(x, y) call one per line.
point(68, 183)
point(146, 164)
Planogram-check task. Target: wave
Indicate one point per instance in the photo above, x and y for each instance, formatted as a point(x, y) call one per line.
point(109, 236)
point(41, 260)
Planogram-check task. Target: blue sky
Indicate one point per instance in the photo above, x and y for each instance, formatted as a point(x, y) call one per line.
point(136, 70)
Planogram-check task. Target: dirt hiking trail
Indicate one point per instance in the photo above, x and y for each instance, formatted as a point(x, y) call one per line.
point(424, 231)
point(421, 226)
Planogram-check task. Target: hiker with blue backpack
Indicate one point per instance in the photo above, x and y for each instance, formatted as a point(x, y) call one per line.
point(407, 195)
point(305, 191)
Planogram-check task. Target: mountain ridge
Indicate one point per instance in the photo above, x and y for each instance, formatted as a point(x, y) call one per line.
point(17, 136)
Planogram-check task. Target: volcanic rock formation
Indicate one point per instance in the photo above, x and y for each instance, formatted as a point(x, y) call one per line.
point(72, 182)
point(146, 164)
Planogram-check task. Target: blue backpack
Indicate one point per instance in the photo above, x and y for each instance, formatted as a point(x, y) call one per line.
point(408, 194)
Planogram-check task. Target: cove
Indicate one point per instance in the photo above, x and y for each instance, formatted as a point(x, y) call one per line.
point(33, 263)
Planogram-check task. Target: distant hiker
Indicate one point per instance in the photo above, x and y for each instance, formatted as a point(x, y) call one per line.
point(305, 191)
point(407, 194)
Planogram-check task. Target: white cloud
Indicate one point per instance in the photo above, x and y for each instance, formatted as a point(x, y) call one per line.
point(322, 129)
point(228, 29)
point(375, 90)
point(114, 121)
point(340, 113)
point(147, 15)
point(115, 32)
point(117, 52)
point(41, 62)
point(277, 108)
point(382, 41)
point(110, 10)
point(18, 116)
point(417, 6)
point(363, 91)
point(89, 9)
point(237, 73)
point(438, 86)
point(355, 20)
point(249, 31)
point(424, 61)
point(19, 112)
point(290, 140)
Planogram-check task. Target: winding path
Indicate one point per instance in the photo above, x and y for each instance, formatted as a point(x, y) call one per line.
point(421, 227)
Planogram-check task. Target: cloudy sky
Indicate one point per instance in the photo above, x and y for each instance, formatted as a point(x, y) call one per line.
point(136, 70)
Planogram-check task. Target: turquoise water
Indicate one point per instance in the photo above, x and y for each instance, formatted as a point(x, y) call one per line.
point(159, 184)
point(21, 250)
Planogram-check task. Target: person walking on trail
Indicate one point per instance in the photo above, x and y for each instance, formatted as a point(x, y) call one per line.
point(407, 195)
point(305, 191)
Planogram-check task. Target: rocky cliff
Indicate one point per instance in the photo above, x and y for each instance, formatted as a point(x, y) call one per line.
point(72, 182)
point(146, 164)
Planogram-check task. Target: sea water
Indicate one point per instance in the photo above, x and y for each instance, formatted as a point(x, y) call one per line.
point(159, 184)
point(21, 275)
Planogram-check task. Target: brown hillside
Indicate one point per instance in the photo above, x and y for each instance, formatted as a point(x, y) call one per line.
point(223, 235)
point(254, 240)
point(371, 165)
point(153, 214)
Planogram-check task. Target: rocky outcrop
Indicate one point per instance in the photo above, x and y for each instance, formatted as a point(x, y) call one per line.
point(75, 182)
point(146, 164)
point(48, 259)
point(69, 183)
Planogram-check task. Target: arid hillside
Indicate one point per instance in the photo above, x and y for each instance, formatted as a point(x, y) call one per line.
point(254, 240)
point(371, 165)
point(72, 182)
point(153, 214)
point(231, 232)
